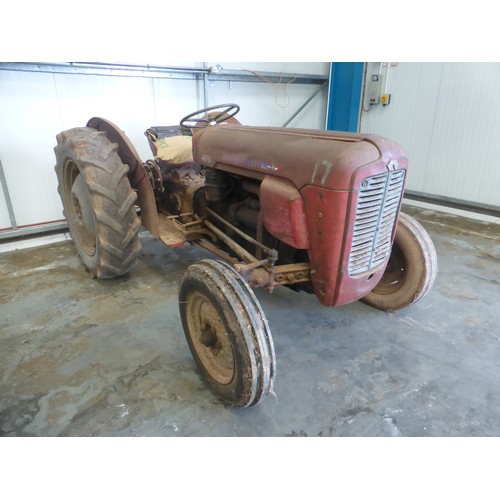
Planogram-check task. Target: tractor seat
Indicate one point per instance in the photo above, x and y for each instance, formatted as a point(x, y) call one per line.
point(176, 150)
point(170, 147)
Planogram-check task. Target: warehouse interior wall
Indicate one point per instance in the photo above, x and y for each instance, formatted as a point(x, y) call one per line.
point(446, 115)
point(35, 106)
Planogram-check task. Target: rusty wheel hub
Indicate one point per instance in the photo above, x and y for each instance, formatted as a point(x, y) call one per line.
point(210, 338)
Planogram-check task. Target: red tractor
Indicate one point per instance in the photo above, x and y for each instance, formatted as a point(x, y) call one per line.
point(315, 211)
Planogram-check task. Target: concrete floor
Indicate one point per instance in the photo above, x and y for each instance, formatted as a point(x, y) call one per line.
point(81, 357)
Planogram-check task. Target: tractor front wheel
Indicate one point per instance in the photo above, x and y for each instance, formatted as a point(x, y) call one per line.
point(411, 270)
point(98, 202)
point(227, 333)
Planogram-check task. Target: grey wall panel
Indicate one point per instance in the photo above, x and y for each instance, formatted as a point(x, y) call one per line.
point(447, 117)
point(464, 160)
point(409, 118)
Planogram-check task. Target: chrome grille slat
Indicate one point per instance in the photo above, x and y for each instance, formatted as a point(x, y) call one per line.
point(378, 202)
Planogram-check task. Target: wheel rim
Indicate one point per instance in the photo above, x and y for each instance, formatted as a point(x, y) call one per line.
point(210, 338)
point(80, 211)
point(395, 273)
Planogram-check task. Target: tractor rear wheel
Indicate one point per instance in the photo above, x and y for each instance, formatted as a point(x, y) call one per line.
point(98, 202)
point(227, 333)
point(411, 270)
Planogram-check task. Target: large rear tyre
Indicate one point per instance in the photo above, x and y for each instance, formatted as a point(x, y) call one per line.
point(227, 333)
point(411, 270)
point(98, 202)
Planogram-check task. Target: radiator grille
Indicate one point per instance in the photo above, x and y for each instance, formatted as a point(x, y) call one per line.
point(378, 203)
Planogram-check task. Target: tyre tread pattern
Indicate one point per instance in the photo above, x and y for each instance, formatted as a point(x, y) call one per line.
point(112, 198)
point(253, 323)
point(425, 242)
point(418, 242)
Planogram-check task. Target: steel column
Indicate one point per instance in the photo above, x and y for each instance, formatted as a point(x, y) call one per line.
point(344, 99)
point(6, 194)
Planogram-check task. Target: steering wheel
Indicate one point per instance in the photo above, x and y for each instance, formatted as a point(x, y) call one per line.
point(209, 116)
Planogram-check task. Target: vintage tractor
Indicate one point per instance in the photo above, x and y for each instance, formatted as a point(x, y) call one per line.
point(315, 211)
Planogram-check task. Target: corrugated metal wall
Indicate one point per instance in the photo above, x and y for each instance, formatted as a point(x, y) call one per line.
point(447, 117)
point(35, 106)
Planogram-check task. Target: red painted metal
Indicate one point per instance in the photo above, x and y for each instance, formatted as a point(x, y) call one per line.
point(284, 212)
point(304, 157)
point(327, 168)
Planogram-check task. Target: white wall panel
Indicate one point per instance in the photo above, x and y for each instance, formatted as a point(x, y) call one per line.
point(29, 116)
point(35, 106)
point(266, 104)
point(465, 150)
point(127, 102)
point(175, 99)
point(272, 104)
point(409, 118)
point(447, 118)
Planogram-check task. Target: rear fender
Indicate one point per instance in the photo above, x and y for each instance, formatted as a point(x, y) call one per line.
point(137, 174)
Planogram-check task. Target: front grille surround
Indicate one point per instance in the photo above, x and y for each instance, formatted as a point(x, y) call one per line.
point(379, 198)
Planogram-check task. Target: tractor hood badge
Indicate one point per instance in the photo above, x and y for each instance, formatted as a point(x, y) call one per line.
point(392, 165)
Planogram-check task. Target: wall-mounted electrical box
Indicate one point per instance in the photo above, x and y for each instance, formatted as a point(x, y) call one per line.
point(374, 89)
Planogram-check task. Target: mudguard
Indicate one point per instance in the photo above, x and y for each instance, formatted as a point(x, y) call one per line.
point(137, 174)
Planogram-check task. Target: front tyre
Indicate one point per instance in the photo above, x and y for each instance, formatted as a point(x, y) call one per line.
point(411, 270)
point(227, 333)
point(98, 202)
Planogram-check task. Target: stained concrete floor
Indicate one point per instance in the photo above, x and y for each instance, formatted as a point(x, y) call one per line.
point(81, 357)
